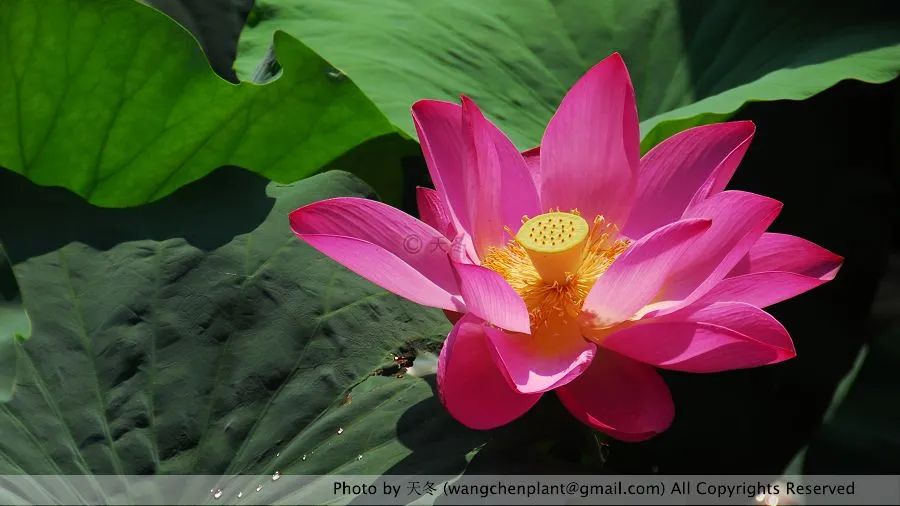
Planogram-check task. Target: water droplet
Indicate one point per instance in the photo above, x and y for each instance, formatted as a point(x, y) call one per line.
point(240, 494)
point(217, 494)
point(340, 430)
point(304, 457)
point(278, 454)
point(258, 488)
point(359, 458)
point(336, 75)
point(276, 475)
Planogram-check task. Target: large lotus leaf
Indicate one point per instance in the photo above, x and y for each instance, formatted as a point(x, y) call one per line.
point(220, 344)
point(115, 101)
point(215, 23)
point(691, 61)
point(14, 326)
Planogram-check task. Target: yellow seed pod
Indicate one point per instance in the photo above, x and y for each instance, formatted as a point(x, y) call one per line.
point(554, 242)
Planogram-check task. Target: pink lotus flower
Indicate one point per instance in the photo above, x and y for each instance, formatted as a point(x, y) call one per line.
point(626, 263)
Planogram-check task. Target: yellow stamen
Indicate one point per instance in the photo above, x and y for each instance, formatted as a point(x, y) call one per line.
point(552, 283)
point(554, 242)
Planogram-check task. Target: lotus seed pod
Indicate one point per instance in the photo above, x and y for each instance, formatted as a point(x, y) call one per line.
point(555, 242)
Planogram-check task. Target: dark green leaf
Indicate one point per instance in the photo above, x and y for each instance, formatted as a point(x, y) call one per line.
point(389, 164)
point(220, 345)
point(14, 326)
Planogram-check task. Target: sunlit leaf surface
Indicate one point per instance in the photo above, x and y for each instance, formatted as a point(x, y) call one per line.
point(115, 101)
point(691, 61)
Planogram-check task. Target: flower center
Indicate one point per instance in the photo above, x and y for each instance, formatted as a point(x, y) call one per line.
point(554, 242)
point(553, 261)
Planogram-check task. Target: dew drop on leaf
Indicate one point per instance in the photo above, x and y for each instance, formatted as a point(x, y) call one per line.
point(335, 74)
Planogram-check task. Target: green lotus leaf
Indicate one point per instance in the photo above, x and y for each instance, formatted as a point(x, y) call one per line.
point(116, 102)
point(190, 337)
point(691, 62)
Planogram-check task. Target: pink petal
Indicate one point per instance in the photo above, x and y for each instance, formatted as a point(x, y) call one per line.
point(440, 130)
point(590, 151)
point(462, 250)
point(488, 296)
point(385, 269)
point(776, 268)
point(738, 220)
point(498, 184)
point(544, 360)
point(718, 337)
point(788, 253)
point(470, 383)
point(639, 273)
point(623, 398)
point(717, 181)
point(433, 212)
point(384, 245)
point(673, 171)
point(760, 289)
